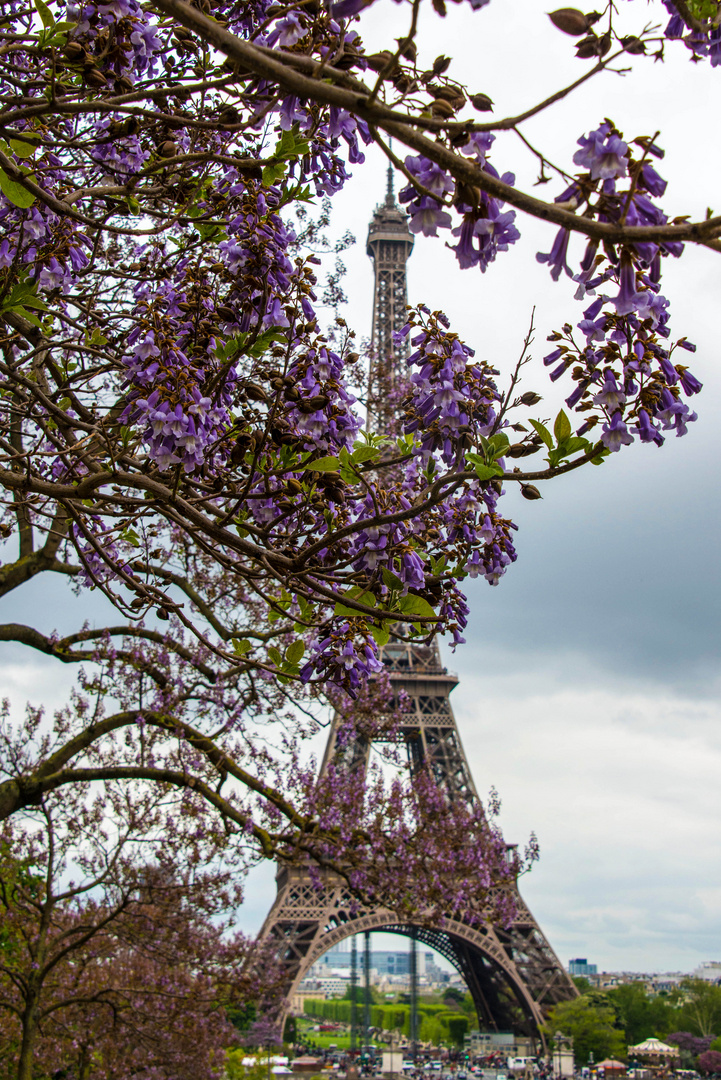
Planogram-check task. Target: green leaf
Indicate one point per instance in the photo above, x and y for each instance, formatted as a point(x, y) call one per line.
point(241, 646)
point(275, 655)
point(543, 433)
point(416, 605)
point(498, 444)
point(45, 13)
point(26, 147)
point(355, 593)
point(25, 314)
point(324, 464)
point(380, 634)
point(390, 579)
point(16, 193)
point(561, 427)
point(264, 341)
point(273, 173)
point(365, 453)
point(25, 294)
point(574, 444)
point(294, 652)
point(487, 472)
point(130, 536)
point(291, 145)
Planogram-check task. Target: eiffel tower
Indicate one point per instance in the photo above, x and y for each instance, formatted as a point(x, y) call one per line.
point(512, 972)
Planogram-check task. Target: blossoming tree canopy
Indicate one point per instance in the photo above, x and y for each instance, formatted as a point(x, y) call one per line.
point(173, 407)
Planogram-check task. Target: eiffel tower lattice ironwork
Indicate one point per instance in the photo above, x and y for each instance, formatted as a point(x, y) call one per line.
point(512, 972)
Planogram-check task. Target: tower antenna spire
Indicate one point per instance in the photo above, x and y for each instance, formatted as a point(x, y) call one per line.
point(390, 194)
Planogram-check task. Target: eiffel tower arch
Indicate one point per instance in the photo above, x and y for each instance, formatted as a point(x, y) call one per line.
point(512, 972)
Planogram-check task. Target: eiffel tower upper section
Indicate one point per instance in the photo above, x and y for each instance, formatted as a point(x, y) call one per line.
point(389, 245)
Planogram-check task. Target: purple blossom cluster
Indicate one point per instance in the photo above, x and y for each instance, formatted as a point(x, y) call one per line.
point(136, 44)
point(100, 558)
point(624, 373)
point(341, 658)
point(176, 285)
point(485, 228)
point(452, 404)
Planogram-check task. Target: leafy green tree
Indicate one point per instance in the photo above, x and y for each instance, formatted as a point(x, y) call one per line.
point(591, 1025)
point(457, 1028)
point(643, 1015)
point(453, 997)
point(701, 1009)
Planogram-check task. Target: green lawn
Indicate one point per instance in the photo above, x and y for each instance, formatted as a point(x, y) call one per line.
point(324, 1039)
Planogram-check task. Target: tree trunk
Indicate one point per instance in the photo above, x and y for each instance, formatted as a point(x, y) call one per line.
point(27, 1047)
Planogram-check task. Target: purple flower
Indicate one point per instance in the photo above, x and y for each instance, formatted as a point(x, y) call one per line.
point(427, 216)
point(652, 181)
point(690, 383)
point(611, 395)
point(556, 259)
point(616, 434)
point(604, 157)
point(628, 300)
point(291, 30)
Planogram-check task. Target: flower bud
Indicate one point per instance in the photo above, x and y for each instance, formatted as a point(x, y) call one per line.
point(441, 64)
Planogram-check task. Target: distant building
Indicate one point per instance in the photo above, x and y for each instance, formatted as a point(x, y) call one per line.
point(581, 966)
point(710, 971)
point(385, 962)
point(484, 1043)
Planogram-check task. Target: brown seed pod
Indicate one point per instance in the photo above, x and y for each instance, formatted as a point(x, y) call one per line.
point(95, 78)
point(530, 398)
point(255, 393)
point(482, 103)
point(75, 53)
point(442, 109)
point(530, 492)
point(633, 45)
point(570, 21)
point(377, 61)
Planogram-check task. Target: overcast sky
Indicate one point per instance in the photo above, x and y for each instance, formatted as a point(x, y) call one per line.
point(589, 692)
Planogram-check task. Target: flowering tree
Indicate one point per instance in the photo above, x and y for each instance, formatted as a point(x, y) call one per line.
point(710, 1061)
point(180, 432)
point(113, 961)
